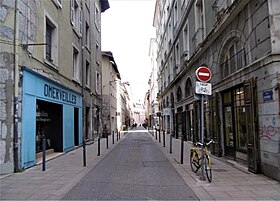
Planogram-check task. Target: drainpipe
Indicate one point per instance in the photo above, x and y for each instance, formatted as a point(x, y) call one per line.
point(83, 86)
point(16, 82)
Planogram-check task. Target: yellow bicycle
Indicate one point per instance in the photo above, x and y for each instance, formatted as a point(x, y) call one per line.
point(196, 158)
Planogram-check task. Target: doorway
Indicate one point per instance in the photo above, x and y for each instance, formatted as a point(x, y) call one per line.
point(49, 124)
point(76, 126)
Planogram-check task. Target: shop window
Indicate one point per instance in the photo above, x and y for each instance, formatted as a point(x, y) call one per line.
point(179, 94)
point(233, 58)
point(240, 119)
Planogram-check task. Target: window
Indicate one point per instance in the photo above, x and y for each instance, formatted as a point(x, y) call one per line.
point(177, 55)
point(188, 88)
point(98, 83)
point(233, 57)
point(186, 42)
point(76, 16)
point(87, 74)
point(97, 53)
point(97, 18)
point(58, 3)
point(199, 23)
point(176, 16)
point(179, 94)
point(49, 30)
point(51, 52)
point(76, 67)
point(87, 35)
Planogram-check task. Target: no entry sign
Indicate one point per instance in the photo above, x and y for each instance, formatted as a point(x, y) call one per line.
point(203, 74)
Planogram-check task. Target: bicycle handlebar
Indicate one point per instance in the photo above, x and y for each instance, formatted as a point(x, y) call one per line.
point(205, 144)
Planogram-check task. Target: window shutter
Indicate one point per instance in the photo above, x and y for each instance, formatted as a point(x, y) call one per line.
point(72, 12)
point(80, 21)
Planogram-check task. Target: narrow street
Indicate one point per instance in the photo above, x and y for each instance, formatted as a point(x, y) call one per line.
point(135, 170)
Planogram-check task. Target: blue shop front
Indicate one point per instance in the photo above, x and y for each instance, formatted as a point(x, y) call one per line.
point(52, 110)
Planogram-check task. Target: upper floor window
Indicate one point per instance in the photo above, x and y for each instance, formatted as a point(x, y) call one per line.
point(51, 53)
point(97, 19)
point(87, 35)
point(199, 23)
point(97, 53)
point(176, 15)
point(186, 43)
point(88, 74)
point(76, 66)
point(58, 3)
point(76, 16)
point(233, 57)
point(98, 83)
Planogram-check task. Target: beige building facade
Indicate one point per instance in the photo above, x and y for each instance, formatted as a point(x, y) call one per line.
point(50, 77)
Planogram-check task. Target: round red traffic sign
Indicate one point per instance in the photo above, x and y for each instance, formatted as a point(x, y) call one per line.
point(203, 74)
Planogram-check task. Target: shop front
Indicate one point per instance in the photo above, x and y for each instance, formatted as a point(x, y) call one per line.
point(241, 141)
point(51, 110)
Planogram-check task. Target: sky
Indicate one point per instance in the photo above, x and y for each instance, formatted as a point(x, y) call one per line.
point(126, 29)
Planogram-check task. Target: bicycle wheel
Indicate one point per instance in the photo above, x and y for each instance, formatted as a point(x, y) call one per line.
point(207, 168)
point(194, 161)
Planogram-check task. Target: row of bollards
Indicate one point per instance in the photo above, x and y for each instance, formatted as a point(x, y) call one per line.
point(83, 145)
point(158, 137)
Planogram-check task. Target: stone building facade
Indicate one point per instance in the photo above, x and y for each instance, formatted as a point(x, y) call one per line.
point(50, 77)
point(238, 40)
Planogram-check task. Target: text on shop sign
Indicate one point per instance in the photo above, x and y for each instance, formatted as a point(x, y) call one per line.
point(59, 94)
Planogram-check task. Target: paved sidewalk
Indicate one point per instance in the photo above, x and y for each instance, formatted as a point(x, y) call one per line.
point(61, 174)
point(230, 181)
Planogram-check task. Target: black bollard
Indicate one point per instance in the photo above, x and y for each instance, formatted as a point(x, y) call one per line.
point(156, 134)
point(84, 152)
point(182, 150)
point(107, 141)
point(170, 143)
point(117, 136)
point(163, 135)
point(44, 151)
point(159, 136)
point(113, 140)
point(98, 148)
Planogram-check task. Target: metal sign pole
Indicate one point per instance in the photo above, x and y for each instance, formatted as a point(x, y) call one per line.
point(202, 176)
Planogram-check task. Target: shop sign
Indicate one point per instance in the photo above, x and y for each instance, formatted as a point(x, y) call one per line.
point(59, 94)
point(203, 88)
point(268, 95)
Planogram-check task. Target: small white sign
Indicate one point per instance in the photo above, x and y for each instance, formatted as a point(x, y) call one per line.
point(203, 88)
point(167, 111)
